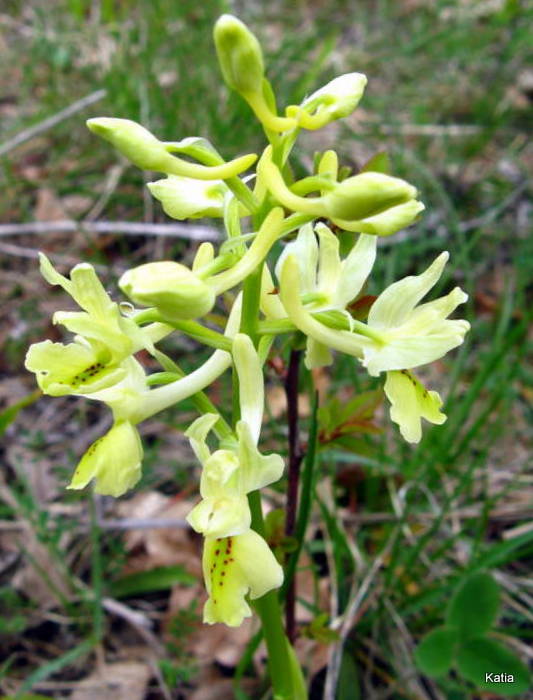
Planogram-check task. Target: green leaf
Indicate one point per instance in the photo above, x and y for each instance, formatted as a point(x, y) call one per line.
point(434, 654)
point(9, 414)
point(502, 552)
point(158, 579)
point(477, 659)
point(474, 605)
point(379, 163)
point(348, 687)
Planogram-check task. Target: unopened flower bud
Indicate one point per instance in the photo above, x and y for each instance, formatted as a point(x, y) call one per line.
point(172, 288)
point(365, 195)
point(387, 222)
point(335, 100)
point(186, 198)
point(239, 55)
point(145, 151)
point(135, 142)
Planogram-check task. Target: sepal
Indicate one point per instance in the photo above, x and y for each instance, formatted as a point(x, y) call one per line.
point(113, 461)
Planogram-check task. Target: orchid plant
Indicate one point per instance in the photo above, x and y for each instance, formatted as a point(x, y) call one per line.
point(307, 292)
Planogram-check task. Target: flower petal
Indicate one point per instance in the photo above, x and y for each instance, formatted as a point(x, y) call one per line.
point(84, 286)
point(75, 368)
point(251, 385)
point(304, 248)
point(329, 262)
point(355, 270)
point(221, 516)
point(411, 351)
point(410, 402)
point(197, 433)
point(395, 304)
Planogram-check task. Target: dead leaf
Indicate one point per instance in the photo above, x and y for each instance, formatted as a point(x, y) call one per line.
point(118, 681)
point(48, 207)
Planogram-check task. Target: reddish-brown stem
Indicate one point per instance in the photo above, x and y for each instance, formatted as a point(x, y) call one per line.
point(295, 459)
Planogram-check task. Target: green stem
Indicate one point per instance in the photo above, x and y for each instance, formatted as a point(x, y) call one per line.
point(269, 611)
point(194, 330)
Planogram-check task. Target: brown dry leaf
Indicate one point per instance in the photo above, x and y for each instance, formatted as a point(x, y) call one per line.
point(223, 689)
point(220, 643)
point(118, 681)
point(159, 547)
point(48, 207)
point(77, 204)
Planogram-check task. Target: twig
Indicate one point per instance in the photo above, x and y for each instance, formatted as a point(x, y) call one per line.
point(130, 228)
point(50, 122)
point(33, 253)
point(110, 524)
point(295, 460)
point(430, 129)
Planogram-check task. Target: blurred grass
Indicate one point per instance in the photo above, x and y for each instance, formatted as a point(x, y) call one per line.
point(448, 98)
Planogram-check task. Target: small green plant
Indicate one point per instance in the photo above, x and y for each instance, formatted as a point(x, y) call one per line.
point(464, 641)
point(304, 290)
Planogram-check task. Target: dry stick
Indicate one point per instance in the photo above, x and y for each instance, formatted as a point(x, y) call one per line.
point(50, 122)
point(295, 460)
point(193, 233)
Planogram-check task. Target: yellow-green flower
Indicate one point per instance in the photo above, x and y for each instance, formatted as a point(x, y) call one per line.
point(113, 461)
point(237, 468)
point(327, 283)
point(236, 567)
point(176, 291)
point(105, 338)
point(180, 293)
point(413, 334)
point(400, 333)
